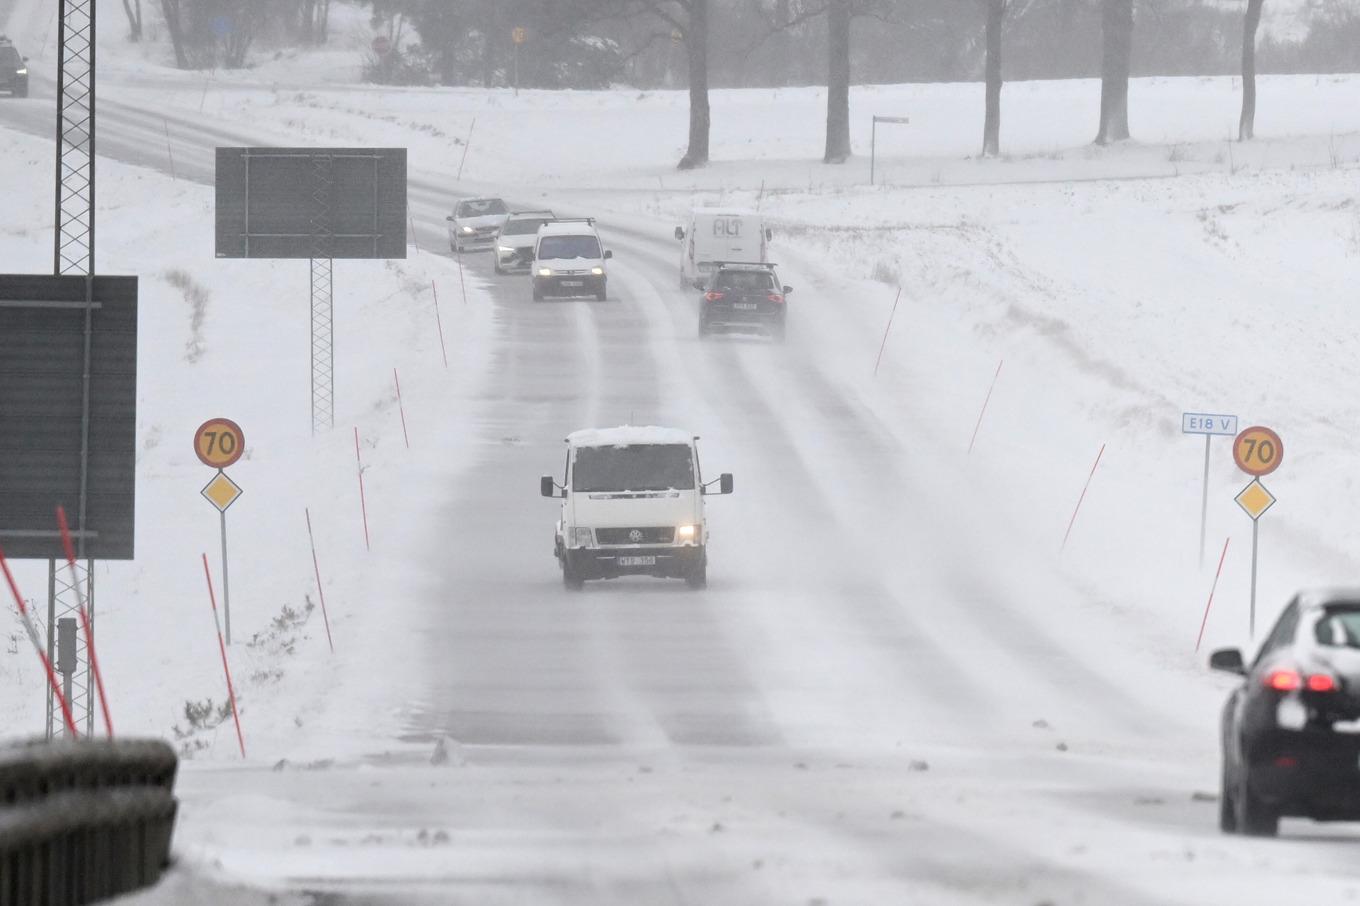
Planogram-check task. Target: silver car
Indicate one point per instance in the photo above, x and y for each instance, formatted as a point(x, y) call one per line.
point(475, 222)
point(515, 242)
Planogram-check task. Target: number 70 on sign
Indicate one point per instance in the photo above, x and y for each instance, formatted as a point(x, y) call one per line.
point(219, 442)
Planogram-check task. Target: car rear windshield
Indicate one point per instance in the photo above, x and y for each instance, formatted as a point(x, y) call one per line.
point(1340, 628)
point(634, 467)
point(481, 207)
point(520, 227)
point(744, 281)
point(550, 247)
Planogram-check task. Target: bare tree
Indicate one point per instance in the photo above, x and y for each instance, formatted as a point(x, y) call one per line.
point(837, 82)
point(133, 8)
point(174, 23)
point(1246, 129)
point(991, 124)
point(696, 41)
point(1117, 33)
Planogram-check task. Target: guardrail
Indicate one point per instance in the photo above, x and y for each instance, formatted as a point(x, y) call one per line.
point(85, 820)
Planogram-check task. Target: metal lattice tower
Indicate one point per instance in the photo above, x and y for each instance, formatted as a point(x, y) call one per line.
point(74, 255)
point(323, 342)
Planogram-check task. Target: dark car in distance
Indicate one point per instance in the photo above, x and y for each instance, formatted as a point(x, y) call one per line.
point(1291, 730)
point(742, 296)
point(13, 69)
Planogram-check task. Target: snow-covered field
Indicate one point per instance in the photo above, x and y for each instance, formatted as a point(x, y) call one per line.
point(899, 687)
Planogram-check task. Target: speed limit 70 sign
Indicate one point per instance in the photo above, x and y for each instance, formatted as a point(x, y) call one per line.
point(1258, 451)
point(219, 442)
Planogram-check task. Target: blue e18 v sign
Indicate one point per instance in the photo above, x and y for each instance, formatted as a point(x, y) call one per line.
point(1202, 423)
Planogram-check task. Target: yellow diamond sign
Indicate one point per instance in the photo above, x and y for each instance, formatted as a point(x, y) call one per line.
point(1255, 499)
point(222, 491)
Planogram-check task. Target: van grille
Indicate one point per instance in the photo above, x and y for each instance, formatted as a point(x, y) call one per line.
point(656, 535)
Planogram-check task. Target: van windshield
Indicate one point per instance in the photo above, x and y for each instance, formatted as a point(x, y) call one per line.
point(634, 467)
point(558, 247)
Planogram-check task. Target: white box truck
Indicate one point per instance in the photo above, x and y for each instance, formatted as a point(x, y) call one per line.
point(720, 234)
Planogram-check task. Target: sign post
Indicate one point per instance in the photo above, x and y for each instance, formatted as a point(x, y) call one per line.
point(517, 36)
point(219, 442)
point(1209, 426)
point(1257, 451)
point(873, 138)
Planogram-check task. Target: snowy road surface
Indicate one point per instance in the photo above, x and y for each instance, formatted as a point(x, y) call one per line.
point(887, 694)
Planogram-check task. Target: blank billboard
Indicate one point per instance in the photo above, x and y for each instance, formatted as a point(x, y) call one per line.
point(311, 202)
point(51, 443)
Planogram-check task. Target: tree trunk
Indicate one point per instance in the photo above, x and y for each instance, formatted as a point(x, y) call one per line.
point(991, 125)
point(134, 15)
point(170, 8)
point(1246, 129)
point(696, 40)
point(1117, 31)
point(837, 82)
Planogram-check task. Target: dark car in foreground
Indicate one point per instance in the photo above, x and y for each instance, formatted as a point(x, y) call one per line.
point(13, 69)
point(743, 296)
point(1291, 730)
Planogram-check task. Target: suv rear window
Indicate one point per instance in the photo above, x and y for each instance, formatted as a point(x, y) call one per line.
point(744, 281)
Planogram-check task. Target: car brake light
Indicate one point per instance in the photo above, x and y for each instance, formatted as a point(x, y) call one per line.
point(1284, 680)
point(1321, 682)
point(712, 297)
point(775, 297)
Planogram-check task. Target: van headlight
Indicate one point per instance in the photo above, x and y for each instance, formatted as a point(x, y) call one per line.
point(467, 229)
point(545, 272)
point(582, 537)
point(687, 533)
point(597, 271)
point(504, 248)
point(21, 72)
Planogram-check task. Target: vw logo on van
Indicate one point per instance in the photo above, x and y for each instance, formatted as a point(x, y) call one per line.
point(635, 536)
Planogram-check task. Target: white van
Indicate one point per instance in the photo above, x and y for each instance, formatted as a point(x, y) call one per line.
point(569, 260)
point(720, 234)
point(632, 504)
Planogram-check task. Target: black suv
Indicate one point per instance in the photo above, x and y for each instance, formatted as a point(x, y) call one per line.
point(13, 69)
point(740, 296)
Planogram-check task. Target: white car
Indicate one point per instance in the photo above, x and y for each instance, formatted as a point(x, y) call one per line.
point(720, 234)
point(632, 504)
point(515, 241)
point(475, 222)
point(569, 260)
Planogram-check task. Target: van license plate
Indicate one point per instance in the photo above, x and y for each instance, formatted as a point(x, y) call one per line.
point(573, 283)
point(745, 306)
point(637, 561)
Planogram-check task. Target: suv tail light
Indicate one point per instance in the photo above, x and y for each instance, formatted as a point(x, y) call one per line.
point(1285, 680)
point(775, 297)
point(712, 297)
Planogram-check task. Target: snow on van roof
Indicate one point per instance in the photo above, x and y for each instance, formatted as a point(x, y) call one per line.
point(627, 435)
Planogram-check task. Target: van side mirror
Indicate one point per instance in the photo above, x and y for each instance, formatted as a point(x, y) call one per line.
point(449, 218)
point(608, 254)
point(1229, 660)
point(679, 232)
point(547, 487)
point(769, 234)
point(725, 483)
point(787, 290)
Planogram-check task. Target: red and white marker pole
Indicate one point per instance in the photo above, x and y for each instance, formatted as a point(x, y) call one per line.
point(978, 426)
point(401, 407)
point(884, 344)
point(38, 648)
point(363, 503)
point(222, 646)
point(440, 323)
point(84, 619)
point(1087, 487)
point(320, 589)
point(1205, 622)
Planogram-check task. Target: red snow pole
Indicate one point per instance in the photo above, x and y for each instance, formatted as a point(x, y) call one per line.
point(884, 344)
point(320, 590)
point(401, 407)
point(440, 322)
point(84, 619)
point(231, 691)
point(978, 426)
point(1084, 489)
point(363, 503)
point(1212, 589)
point(37, 647)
